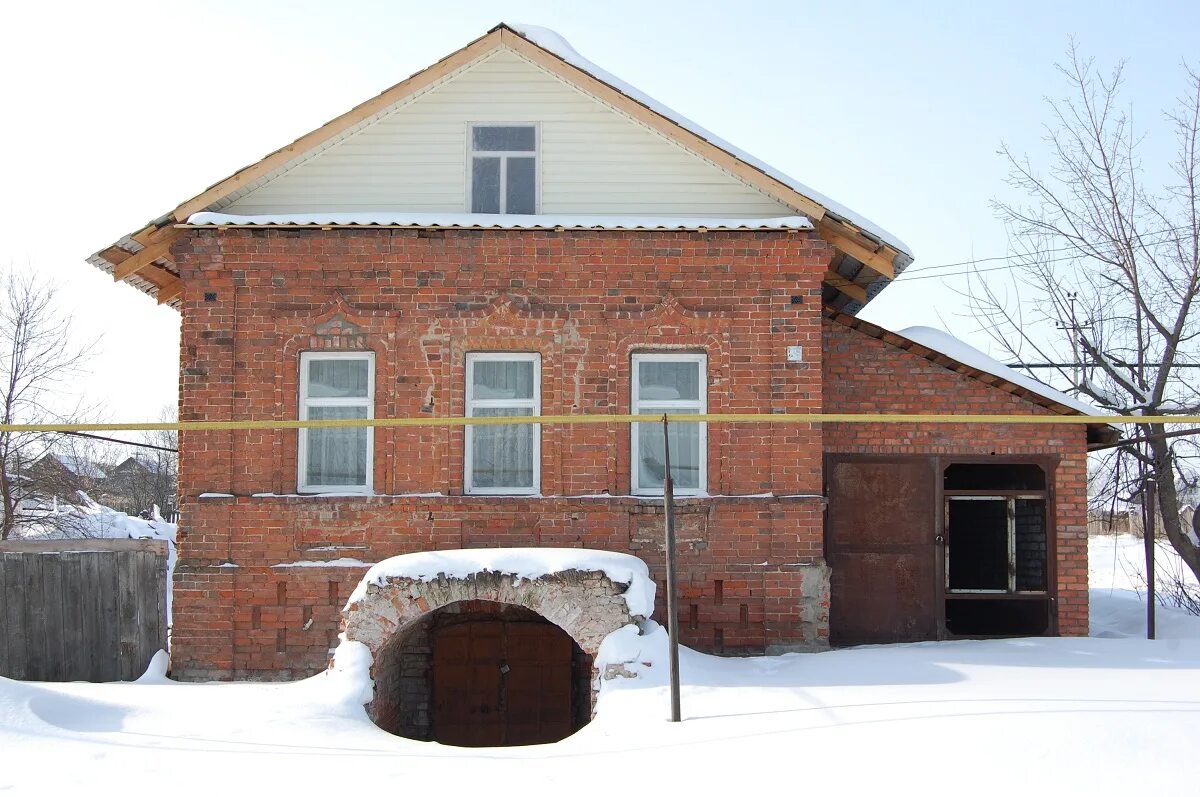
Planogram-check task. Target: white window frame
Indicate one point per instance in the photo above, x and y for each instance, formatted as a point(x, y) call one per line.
point(504, 155)
point(473, 404)
point(651, 407)
point(305, 402)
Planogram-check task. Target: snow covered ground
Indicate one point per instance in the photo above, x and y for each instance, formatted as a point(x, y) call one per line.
point(92, 520)
point(1116, 573)
point(1112, 715)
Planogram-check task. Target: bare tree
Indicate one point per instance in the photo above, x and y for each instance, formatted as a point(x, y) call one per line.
point(37, 366)
point(1107, 255)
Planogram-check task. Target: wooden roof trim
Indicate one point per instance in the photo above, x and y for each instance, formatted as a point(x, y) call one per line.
point(142, 258)
point(170, 290)
point(157, 276)
point(846, 286)
point(354, 116)
point(879, 258)
point(114, 255)
point(161, 230)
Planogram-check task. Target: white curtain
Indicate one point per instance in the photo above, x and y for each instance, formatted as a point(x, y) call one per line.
point(670, 387)
point(685, 453)
point(337, 456)
point(668, 381)
point(502, 457)
point(340, 378)
point(338, 388)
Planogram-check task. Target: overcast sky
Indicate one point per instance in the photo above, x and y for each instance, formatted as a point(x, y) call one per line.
point(115, 112)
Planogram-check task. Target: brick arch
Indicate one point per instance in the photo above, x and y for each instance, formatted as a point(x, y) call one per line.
point(586, 604)
point(395, 621)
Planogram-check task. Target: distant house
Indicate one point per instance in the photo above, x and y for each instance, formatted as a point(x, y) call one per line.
point(513, 232)
point(139, 483)
point(60, 477)
point(134, 486)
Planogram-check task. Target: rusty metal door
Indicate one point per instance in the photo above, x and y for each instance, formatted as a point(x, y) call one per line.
point(499, 683)
point(880, 543)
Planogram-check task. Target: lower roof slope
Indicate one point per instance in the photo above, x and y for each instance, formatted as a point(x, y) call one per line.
point(949, 352)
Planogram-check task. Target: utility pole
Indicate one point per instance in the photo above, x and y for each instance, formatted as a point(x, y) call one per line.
point(1080, 374)
point(1148, 507)
point(672, 608)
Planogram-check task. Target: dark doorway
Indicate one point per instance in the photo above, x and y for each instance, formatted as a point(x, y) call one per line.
point(880, 546)
point(977, 556)
point(997, 550)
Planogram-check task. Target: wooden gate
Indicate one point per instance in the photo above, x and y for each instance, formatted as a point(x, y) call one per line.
point(499, 683)
point(81, 610)
point(881, 528)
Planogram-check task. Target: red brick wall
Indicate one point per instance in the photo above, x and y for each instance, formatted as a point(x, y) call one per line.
point(863, 374)
point(751, 567)
point(253, 300)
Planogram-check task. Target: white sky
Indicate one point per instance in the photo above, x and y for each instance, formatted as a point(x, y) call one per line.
point(114, 112)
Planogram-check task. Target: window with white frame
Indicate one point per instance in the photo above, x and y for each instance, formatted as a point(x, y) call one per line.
point(336, 386)
point(671, 384)
point(503, 459)
point(503, 167)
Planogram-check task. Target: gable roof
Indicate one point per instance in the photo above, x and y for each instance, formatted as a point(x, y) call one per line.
point(942, 348)
point(552, 42)
point(869, 256)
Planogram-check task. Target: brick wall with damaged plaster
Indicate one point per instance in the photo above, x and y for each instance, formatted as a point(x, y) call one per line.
point(752, 573)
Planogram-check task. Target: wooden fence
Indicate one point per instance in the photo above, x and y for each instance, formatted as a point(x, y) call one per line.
point(81, 610)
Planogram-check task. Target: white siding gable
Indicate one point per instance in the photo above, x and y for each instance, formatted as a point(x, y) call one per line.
point(593, 159)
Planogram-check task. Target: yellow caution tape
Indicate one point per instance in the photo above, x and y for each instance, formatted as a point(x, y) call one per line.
point(567, 420)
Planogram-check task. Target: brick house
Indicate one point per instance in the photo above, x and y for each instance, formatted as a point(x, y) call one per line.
point(515, 231)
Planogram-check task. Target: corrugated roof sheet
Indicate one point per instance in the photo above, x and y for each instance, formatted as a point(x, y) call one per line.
point(494, 221)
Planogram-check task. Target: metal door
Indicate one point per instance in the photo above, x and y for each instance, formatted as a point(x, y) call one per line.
point(880, 543)
point(501, 683)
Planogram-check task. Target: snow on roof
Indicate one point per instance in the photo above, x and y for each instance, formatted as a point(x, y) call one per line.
point(79, 466)
point(952, 347)
point(621, 568)
point(550, 40)
point(498, 221)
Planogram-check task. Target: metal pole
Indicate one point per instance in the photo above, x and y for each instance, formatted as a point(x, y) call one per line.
point(672, 608)
point(1148, 539)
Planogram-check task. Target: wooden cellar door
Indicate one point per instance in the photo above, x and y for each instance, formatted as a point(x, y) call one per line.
point(500, 683)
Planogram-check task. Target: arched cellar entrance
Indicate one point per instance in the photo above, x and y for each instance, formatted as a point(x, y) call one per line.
point(483, 674)
point(487, 657)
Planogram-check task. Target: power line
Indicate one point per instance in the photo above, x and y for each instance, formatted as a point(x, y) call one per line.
point(1118, 363)
point(1130, 441)
point(122, 442)
point(846, 281)
point(1046, 251)
point(606, 419)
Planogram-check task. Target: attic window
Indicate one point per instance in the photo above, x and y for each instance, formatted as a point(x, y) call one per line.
point(503, 169)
